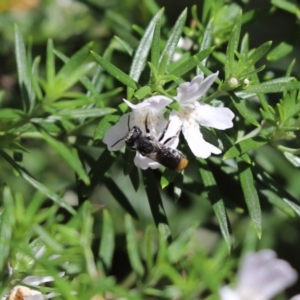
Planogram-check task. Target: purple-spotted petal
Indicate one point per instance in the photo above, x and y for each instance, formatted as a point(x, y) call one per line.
point(210, 116)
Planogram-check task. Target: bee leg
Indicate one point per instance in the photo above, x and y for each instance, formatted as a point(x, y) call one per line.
point(128, 123)
point(146, 124)
point(164, 132)
point(171, 137)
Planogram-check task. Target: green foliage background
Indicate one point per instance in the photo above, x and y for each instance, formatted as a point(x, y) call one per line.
point(105, 228)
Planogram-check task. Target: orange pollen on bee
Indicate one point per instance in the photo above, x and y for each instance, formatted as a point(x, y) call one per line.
point(182, 164)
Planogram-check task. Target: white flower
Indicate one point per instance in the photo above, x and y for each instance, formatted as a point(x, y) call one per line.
point(261, 276)
point(151, 109)
point(194, 113)
point(184, 43)
point(20, 292)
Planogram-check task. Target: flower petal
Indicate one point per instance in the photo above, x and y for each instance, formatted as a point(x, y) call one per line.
point(190, 92)
point(208, 81)
point(158, 103)
point(115, 136)
point(144, 162)
point(185, 43)
point(173, 130)
point(278, 276)
point(137, 106)
point(215, 117)
point(251, 263)
point(37, 280)
point(226, 293)
point(262, 275)
point(155, 103)
point(196, 142)
point(296, 297)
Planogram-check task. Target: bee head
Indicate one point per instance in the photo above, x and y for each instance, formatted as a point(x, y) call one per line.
point(132, 137)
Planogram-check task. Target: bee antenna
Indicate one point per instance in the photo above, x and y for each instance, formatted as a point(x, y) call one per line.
point(128, 123)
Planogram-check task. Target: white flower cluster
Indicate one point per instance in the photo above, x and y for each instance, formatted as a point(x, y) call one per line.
point(191, 116)
point(261, 276)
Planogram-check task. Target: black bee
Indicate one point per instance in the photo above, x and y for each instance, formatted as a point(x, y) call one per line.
point(152, 148)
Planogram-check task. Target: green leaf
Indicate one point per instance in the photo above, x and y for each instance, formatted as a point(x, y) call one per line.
point(127, 47)
point(7, 220)
point(90, 86)
point(251, 196)
point(67, 71)
point(141, 54)
point(38, 185)
point(47, 238)
point(78, 113)
point(240, 106)
point(167, 177)
point(143, 92)
point(154, 198)
point(245, 146)
point(32, 208)
point(206, 43)
point(293, 205)
point(107, 246)
point(277, 201)
point(178, 186)
point(181, 245)
point(216, 201)
point(9, 113)
point(50, 63)
point(133, 247)
point(288, 6)
point(96, 174)
point(24, 74)
point(168, 52)
point(191, 63)
point(128, 158)
point(280, 51)
point(233, 44)
point(148, 246)
point(67, 77)
point(207, 8)
point(259, 52)
point(155, 47)
point(274, 87)
point(273, 186)
point(293, 159)
point(115, 72)
point(119, 196)
point(68, 154)
point(244, 48)
point(35, 78)
point(134, 177)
